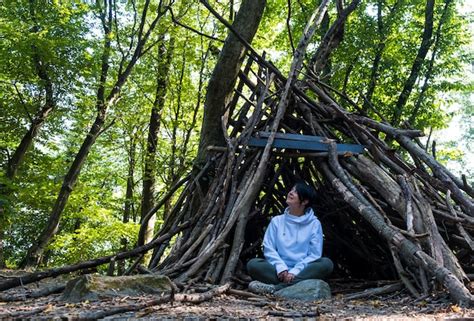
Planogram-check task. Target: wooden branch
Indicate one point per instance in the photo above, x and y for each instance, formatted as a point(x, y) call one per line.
point(406, 248)
point(126, 308)
point(201, 297)
point(293, 314)
point(375, 291)
point(179, 23)
point(244, 294)
point(402, 274)
point(22, 315)
point(453, 183)
point(58, 288)
point(461, 229)
point(166, 197)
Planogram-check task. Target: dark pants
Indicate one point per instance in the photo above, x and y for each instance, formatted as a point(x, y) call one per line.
point(261, 270)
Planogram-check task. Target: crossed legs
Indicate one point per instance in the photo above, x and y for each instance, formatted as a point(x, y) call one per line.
point(260, 270)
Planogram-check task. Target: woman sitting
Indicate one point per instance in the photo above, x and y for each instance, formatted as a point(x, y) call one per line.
point(292, 246)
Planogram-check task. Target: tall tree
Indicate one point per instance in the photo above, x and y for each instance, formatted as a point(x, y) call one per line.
point(425, 45)
point(103, 103)
point(149, 174)
point(224, 75)
point(434, 52)
point(38, 56)
point(384, 24)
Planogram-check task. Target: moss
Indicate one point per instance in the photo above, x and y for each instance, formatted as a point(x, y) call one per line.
point(93, 287)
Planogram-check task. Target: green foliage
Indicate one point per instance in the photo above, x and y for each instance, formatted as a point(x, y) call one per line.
point(98, 237)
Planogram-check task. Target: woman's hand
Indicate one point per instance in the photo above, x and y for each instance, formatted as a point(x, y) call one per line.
point(286, 277)
point(282, 275)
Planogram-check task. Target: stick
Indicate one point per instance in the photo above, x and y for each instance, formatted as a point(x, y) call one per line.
point(36, 294)
point(193, 298)
point(375, 291)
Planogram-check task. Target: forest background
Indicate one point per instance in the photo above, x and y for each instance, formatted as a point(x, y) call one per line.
point(102, 102)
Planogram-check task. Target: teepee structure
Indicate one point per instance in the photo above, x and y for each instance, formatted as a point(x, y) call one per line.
point(385, 211)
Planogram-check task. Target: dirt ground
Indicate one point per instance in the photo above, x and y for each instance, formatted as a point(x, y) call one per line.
point(15, 304)
point(236, 307)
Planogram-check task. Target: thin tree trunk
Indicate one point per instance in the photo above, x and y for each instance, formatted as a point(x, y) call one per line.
point(149, 175)
point(27, 140)
point(35, 253)
point(383, 32)
point(331, 39)
point(429, 71)
point(129, 209)
point(49, 104)
point(19, 154)
point(417, 64)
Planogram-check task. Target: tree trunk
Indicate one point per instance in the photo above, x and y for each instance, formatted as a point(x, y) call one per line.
point(224, 76)
point(331, 39)
point(19, 154)
point(149, 174)
point(129, 209)
point(35, 253)
point(49, 104)
point(417, 64)
point(437, 39)
point(382, 31)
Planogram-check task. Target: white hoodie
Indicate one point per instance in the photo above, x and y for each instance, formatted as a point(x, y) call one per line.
point(291, 242)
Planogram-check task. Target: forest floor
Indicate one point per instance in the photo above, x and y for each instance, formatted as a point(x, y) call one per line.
point(17, 304)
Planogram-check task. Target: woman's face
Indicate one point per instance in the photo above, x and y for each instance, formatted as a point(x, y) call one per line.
point(292, 199)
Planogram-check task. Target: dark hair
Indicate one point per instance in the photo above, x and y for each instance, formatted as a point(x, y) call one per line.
point(305, 193)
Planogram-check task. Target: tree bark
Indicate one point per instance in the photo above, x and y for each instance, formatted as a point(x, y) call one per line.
point(129, 209)
point(224, 76)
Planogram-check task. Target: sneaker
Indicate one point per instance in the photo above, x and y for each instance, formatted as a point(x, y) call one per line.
point(261, 288)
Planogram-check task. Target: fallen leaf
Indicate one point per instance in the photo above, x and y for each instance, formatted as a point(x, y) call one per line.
point(456, 309)
point(49, 308)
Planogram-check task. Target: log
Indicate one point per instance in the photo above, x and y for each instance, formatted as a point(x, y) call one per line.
point(390, 288)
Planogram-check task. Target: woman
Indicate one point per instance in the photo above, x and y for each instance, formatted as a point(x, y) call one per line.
point(292, 246)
